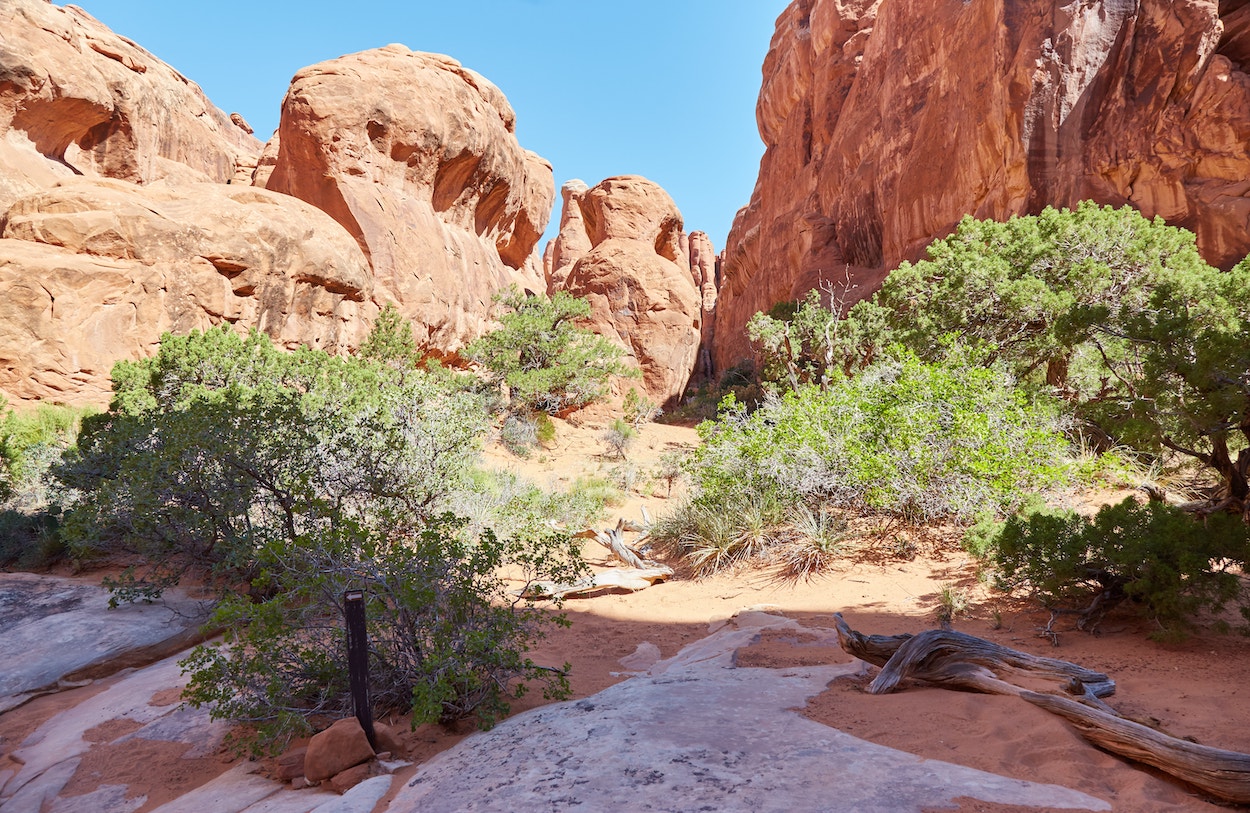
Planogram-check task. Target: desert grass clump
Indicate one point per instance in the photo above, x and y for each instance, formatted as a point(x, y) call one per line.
point(952, 602)
point(707, 540)
point(815, 541)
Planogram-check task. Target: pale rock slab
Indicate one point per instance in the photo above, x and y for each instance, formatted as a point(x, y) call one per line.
point(57, 628)
point(697, 733)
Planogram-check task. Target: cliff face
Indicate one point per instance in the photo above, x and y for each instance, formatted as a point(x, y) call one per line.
point(77, 99)
point(129, 207)
point(416, 157)
point(621, 246)
point(886, 122)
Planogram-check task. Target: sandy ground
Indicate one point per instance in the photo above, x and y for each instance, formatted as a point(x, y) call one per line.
point(1199, 689)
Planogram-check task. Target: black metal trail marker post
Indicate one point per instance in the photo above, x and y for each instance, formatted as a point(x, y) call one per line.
point(358, 660)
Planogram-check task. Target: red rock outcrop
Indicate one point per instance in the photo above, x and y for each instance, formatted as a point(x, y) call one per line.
point(629, 259)
point(93, 271)
point(885, 123)
point(75, 98)
point(417, 158)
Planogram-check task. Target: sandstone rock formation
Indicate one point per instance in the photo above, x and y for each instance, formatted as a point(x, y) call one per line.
point(621, 246)
point(93, 271)
point(885, 123)
point(126, 206)
point(77, 99)
point(417, 158)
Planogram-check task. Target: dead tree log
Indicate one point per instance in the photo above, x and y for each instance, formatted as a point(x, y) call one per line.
point(957, 660)
point(1222, 774)
point(950, 658)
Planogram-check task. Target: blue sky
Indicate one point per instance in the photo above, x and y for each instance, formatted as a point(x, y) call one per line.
point(646, 87)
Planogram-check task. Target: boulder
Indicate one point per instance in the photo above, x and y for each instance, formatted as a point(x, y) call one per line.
point(93, 271)
point(885, 123)
point(341, 746)
point(416, 156)
point(77, 99)
point(636, 275)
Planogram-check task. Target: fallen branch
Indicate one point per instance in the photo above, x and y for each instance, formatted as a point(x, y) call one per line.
point(620, 578)
point(1223, 774)
point(957, 660)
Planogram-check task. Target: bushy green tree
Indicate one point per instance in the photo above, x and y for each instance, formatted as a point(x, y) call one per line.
point(1116, 314)
point(1154, 555)
point(547, 361)
point(798, 343)
point(286, 477)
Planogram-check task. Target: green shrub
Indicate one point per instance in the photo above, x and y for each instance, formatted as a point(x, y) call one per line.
point(547, 361)
point(545, 428)
point(1155, 555)
point(914, 440)
point(519, 434)
point(285, 478)
point(447, 635)
point(639, 410)
point(1115, 313)
point(618, 438)
point(32, 443)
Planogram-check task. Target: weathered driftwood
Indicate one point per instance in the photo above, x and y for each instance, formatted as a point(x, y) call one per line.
point(612, 539)
point(1223, 774)
point(950, 658)
point(621, 578)
point(962, 661)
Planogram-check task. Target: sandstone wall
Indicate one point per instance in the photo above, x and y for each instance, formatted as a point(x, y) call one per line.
point(622, 247)
point(77, 99)
point(130, 206)
point(93, 271)
point(417, 158)
point(886, 122)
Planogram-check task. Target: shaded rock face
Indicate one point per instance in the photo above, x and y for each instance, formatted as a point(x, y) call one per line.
point(95, 271)
point(77, 99)
point(416, 157)
point(885, 123)
point(621, 246)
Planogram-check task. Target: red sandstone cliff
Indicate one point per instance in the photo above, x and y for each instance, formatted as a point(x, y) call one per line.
point(126, 208)
point(886, 122)
point(621, 246)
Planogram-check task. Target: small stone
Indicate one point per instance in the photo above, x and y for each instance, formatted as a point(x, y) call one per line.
point(291, 764)
point(350, 778)
point(341, 746)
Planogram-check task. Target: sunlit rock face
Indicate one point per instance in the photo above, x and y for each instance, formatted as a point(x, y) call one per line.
point(77, 99)
point(93, 271)
point(416, 157)
point(622, 247)
point(885, 123)
point(130, 206)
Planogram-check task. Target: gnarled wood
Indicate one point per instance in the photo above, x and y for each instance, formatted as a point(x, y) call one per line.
point(1224, 774)
point(950, 658)
point(957, 660)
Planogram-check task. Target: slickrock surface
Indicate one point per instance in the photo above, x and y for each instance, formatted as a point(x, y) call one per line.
point(885, 123)
point(54, 629)
point(698, 733)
